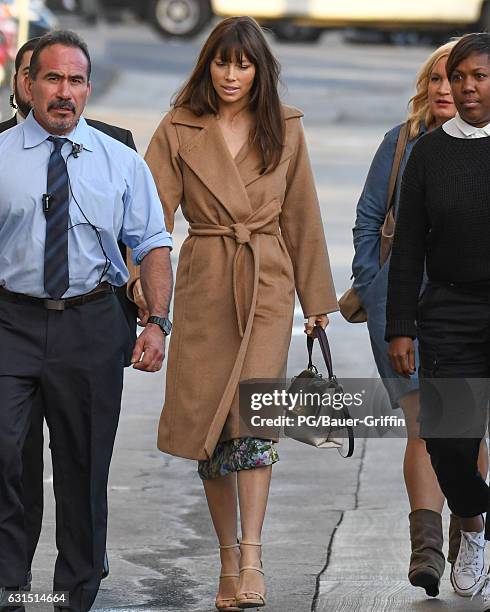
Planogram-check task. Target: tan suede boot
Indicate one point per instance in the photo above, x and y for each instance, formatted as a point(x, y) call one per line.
point(454, 538)
point(427, 560)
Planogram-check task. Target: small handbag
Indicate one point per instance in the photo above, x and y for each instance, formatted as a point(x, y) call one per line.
point(350, 304)
point(310, 381)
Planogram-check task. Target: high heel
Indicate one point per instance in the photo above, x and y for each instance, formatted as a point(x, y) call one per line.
point(227, 604)
point(251, 599)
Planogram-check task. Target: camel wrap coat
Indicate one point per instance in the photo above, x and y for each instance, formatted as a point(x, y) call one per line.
point(253, 238)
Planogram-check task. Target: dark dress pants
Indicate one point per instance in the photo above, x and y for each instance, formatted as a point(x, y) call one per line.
point(33, 453)
point(75, 359)
point(454, 344)
point(33, 478)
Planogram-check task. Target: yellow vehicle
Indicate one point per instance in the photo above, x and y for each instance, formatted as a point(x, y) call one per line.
point(188, 17)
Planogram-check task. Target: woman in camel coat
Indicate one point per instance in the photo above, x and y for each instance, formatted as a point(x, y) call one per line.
point(255, 235)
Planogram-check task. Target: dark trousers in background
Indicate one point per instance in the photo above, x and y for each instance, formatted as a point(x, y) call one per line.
point(75, 359)
point(33, 478)
point(454, 344)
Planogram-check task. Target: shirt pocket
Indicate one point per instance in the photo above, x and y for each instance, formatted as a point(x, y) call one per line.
point(98, 203)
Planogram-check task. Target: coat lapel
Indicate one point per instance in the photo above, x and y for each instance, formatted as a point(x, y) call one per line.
point(249, 161)
point(208, 157)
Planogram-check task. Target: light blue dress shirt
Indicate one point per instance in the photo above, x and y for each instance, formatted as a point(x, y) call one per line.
point(111, 187)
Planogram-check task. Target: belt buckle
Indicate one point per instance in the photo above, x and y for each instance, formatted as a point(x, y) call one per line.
point(54, 304)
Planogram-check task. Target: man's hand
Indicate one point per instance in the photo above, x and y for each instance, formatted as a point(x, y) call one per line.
point(139, 300)
point(149, 351)
point(321, 319)
point(402, 355)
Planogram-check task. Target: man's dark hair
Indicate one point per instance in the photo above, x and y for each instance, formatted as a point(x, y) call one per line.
point(58, 37)
point(30, 45)
point(470, 44)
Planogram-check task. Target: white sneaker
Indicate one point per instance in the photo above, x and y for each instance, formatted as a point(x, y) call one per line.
point(469, 568)
point(484, 590)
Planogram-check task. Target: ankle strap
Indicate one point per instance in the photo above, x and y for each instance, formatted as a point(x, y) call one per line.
point(225, 546)
point(250, 543)
point(252, 567)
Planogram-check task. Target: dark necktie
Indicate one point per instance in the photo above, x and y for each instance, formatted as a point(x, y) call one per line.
point(56, 276)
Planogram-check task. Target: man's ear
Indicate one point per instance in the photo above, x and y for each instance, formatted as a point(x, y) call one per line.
point(29, 83)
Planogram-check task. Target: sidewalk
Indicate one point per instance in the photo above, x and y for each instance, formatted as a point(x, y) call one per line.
point(368, 557)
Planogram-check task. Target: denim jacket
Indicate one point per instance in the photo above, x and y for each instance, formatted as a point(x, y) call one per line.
point(370, 214)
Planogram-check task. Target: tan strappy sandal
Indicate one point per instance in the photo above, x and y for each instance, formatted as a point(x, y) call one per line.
point(228, 604)
point(250, 599)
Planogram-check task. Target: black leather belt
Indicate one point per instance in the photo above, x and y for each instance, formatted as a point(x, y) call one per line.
point(49, 304)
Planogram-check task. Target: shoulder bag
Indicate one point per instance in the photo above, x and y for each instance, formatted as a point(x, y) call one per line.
point(350, 303)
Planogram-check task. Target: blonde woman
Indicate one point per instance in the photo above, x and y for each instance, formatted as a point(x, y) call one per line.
point(431, 106)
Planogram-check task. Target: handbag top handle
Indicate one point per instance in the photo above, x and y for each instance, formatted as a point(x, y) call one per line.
point(324, 346)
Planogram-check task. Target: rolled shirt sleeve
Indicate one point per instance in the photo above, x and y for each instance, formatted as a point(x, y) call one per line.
point(143, 226)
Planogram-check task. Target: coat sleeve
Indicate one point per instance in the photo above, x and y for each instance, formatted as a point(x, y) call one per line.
point(162, 158)
point(371, 212)
point(302, 230)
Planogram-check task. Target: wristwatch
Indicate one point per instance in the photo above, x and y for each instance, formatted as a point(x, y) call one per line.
point(163, 323)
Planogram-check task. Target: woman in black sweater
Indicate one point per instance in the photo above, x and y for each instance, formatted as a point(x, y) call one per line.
point(444, 223)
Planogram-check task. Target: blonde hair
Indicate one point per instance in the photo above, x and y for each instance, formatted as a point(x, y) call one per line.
point(420, 111)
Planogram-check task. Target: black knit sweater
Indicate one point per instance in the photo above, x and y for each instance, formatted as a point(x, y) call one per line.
point(443, 218)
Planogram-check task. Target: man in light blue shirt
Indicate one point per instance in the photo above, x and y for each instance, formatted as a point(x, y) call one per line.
point(67, 194)
point(111, 187)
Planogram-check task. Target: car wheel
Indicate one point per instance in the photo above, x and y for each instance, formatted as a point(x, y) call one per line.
point(290, 32)
point(179, 18)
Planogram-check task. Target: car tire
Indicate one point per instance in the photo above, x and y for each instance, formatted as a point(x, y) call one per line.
point(179, 18)
point(290, 32)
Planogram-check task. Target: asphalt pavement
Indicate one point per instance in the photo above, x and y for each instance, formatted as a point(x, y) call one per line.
point(336, 532)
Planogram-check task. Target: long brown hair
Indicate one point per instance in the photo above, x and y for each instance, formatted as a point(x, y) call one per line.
point(233, 38)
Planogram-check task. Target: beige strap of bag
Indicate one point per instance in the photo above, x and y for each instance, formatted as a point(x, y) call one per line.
point(350, 304)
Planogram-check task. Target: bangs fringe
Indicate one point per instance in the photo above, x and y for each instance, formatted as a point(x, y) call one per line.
point(232, 47)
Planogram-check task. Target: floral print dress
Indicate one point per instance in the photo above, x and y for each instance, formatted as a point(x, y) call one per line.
point(238, 454)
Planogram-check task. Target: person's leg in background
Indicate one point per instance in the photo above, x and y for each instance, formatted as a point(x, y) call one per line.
point(426, 502)
point(33, 481)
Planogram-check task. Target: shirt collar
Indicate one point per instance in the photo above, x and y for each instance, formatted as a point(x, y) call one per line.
point(469, 130)
point(19, 118)
point(35, 134)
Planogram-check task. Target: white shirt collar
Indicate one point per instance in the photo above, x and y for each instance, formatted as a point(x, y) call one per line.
point(19, 118)
point(458, 128)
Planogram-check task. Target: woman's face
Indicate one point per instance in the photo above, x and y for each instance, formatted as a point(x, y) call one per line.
point(439, 94)
point(232, 80)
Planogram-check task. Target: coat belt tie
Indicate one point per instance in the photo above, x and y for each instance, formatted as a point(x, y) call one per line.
point(262, 221)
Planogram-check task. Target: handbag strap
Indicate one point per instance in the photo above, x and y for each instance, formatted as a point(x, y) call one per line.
point(324, 346)
point(327, 356)
point(388, 228)
point(401, 145)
